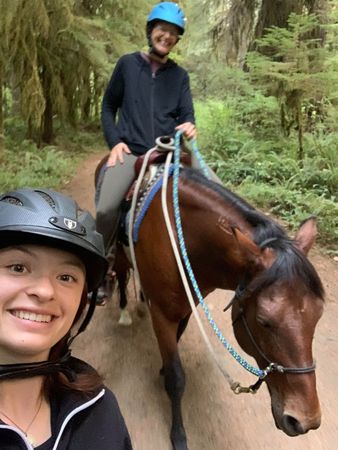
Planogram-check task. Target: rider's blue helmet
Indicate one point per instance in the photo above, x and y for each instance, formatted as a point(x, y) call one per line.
point(168, 12)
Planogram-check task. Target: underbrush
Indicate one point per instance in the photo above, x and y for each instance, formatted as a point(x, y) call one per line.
point(23, 164)
point(253, 158)
point(241, 141)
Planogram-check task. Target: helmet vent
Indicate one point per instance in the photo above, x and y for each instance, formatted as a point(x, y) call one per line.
point(47, 198)
point(12, 200)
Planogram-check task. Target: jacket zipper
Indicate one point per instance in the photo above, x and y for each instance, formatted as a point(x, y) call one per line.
point(20, 433)
point(65, 422)
point(153, 77)
point(74, 412)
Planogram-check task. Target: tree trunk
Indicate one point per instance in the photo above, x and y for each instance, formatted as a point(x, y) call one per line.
point(33, 133)
point(300, 133)
point(47, 121)
point(238, 31)
point(97, 94)
point(276, 13)
point(320, 8)
point(1, 114)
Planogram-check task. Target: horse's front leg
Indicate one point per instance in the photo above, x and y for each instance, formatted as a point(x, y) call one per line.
point(121, 270)
point(174, 377)
point(125, 317)
point(174, 380)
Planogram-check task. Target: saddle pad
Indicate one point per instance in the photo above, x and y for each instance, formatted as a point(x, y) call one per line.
point(146, 199)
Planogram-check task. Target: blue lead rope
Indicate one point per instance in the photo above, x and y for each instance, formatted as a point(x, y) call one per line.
point(256, 371)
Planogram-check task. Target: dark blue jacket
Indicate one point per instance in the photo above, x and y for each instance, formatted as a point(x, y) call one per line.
point(147, 106)
point(78, 423)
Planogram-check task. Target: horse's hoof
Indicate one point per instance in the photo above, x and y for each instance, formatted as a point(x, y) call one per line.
point(178, 438)
point(125, 318)
point(180, 444)
point(141, 309)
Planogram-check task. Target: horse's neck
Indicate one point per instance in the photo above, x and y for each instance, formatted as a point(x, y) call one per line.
point(212, 246)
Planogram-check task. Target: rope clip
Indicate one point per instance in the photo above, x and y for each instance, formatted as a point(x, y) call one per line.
point(238, 389)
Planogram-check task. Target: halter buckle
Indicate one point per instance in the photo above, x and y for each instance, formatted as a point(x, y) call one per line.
point(273, 367)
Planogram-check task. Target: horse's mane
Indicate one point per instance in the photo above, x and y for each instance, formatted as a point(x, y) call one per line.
point(290, 261)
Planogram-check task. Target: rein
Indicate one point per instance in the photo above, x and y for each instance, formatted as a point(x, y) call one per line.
point(185, 269)
point(235, 386)
point(272, 367)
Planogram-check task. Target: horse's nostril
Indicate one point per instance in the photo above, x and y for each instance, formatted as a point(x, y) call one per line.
point(292, 426)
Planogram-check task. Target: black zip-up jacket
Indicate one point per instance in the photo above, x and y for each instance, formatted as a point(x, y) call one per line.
point(78, 423)
point(147, 105)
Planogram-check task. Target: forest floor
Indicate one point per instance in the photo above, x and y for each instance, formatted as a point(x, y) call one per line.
point(215, 419)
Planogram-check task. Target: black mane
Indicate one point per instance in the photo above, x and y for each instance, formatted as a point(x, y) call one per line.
point(291, 263)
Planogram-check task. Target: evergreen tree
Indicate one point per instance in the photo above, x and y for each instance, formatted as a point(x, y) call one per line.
point(297, 71)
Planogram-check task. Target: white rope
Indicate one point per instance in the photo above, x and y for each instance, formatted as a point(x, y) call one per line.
point(132, 216)
point(182, 271)
point(175, 250)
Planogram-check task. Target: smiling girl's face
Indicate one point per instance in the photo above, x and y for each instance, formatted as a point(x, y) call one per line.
point(164, 37)
point(40, 293)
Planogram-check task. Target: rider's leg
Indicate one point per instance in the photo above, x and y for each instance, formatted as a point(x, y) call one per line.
point(115, 183)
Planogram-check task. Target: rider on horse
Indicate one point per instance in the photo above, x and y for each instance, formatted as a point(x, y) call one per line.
point(148, 96)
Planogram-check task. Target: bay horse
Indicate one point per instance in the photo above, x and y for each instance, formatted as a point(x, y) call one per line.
point(278, 300)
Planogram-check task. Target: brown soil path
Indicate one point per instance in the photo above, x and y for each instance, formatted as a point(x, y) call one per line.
point(215, 418)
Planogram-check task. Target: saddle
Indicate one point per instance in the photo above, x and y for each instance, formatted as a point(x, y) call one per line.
point(157, 157)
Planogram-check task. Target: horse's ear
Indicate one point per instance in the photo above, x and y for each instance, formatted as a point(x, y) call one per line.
point(246, 243)
point(261, 258)
point(306, 235)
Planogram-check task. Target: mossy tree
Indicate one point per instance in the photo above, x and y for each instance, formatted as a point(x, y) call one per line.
point(234, 25)
point(59, 55)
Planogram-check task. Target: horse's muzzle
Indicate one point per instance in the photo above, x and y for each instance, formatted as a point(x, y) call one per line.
point(294, 427)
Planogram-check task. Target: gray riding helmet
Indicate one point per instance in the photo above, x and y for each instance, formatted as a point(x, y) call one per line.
point(45, 217)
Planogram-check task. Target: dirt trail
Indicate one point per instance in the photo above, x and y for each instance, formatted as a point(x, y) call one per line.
point(215, 418)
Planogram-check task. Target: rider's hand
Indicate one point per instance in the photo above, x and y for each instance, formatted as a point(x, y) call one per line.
point(116, 154)
point(189, 129)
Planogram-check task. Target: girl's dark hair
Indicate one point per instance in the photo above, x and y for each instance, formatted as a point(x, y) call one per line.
point(88, 382)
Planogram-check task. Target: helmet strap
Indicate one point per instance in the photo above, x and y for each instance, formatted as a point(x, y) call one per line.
point(28, 370)
point(87, 318)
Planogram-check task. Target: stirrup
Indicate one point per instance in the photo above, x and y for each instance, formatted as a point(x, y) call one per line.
point(101, 297)
point(106, 289)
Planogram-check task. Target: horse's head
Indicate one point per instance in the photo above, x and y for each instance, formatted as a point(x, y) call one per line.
point(274, 319)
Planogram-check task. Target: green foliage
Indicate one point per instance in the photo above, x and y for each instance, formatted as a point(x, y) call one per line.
point(218, 82)
point(290, 55)
point(59, 55)
point(292, 206)
point(32, 167)
point(258, 163)
point(297, 69)
point(23, 164)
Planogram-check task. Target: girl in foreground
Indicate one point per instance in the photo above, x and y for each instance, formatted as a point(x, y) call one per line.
point(50, 257)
